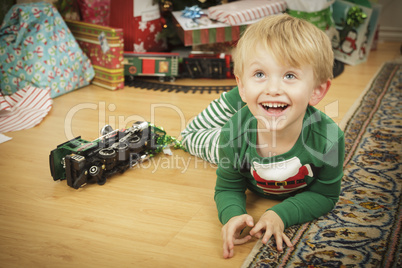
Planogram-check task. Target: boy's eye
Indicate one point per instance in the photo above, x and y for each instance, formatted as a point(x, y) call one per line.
point(259, 75)
point(290, 76)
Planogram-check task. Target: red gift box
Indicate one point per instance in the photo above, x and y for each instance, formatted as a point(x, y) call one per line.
point(141, 24)
point(239, 12)
point(206, 31)
point(95, 11)
point(104, 47)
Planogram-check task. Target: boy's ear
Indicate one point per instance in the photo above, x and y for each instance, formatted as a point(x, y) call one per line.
point(240, 86)
point(319, 93)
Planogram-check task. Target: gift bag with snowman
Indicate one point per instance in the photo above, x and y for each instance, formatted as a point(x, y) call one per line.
point(356, 23)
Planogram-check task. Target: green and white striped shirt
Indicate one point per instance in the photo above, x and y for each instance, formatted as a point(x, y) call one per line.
point(201, 136)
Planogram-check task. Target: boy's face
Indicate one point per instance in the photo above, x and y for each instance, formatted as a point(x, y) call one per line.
point(278, 95)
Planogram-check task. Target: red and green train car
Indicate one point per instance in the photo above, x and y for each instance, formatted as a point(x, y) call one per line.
point(168, 66)
point(162, 65)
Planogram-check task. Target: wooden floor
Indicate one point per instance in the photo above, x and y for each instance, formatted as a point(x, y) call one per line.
point(161, 214)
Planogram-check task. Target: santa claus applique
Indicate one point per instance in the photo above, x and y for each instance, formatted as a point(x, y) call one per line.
point(281, 177)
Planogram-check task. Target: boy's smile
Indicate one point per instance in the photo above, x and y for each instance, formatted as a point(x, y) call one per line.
point(274, 108)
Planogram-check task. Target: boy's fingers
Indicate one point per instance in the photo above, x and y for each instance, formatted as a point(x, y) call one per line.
point(287, 241)
point(279, 242)
point(227, 253)
point(256, 229)
point(266, 237)
point(227, 248)
point(258, 235)
point(242, 240)
point(249, 221)
point(280, 239)
point(227, 244)
point(231, 232)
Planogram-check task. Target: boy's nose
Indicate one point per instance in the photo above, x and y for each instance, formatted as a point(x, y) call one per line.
point(273, 87)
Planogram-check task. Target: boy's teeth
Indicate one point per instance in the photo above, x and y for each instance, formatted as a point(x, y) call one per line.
point(274, 105)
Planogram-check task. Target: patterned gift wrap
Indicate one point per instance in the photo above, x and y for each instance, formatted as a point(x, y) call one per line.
point(95, 11)
point(212, 35)
point(206, 31)
point(242, 11)
point(104, 46)
point(109, 78)
point(37, 49)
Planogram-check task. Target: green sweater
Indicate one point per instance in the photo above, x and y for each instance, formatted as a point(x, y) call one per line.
point(307, 178)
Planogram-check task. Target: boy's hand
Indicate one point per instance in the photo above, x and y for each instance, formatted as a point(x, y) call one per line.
point(273, 225)
point(231, 232)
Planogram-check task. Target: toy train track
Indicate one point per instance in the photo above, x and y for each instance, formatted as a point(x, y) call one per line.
point(141, 68)
point(157, 86)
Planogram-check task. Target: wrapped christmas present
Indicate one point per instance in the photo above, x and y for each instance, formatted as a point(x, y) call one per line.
point(356, 24)
point(203, 30)
point(317, 12)
point(68, 9)
point(141, 24)
point(37, 49)
point(95, 11)
point(104, 46)
point(239, 12)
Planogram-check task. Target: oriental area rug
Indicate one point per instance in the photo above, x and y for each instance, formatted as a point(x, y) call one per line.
point(364, 228)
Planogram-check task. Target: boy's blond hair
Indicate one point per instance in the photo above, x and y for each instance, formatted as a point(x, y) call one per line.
point(291, 41)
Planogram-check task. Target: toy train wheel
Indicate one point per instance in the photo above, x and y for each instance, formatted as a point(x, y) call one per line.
point(108, 156)
point(164, 79)
point(134, 140)
point(123, 151)
point(107, 153)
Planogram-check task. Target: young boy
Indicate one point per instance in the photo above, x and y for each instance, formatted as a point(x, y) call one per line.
point(278, 145)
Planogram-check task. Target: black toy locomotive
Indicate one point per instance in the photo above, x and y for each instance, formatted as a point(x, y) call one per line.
point(81, 162)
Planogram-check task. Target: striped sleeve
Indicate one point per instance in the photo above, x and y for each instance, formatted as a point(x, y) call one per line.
point(201, 136)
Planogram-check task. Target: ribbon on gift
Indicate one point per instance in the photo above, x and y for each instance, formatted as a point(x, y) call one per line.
point(355, 16)
point(193, 12)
